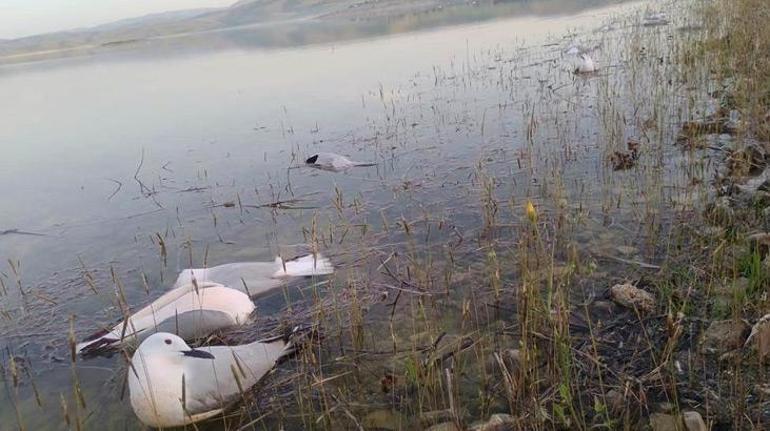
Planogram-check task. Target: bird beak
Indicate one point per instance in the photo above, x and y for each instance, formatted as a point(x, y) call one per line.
point(195, 353)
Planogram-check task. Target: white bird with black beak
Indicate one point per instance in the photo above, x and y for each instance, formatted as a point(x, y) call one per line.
point(334, 162)
point(172, 385)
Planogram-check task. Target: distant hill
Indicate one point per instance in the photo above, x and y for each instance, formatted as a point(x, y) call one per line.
point(243, 12)
point(327, 20)
point(151, 19)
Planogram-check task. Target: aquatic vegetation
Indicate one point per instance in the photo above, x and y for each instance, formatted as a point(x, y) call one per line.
point(479, 261)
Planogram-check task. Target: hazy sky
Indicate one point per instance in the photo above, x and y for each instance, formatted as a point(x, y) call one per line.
point(27, 17)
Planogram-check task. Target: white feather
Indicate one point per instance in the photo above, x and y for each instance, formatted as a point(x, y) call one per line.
point(303, 267)
point(257, 278)
point(586, 64)
point(232, 308)
point(212, 377)
point(333, 162)
point(655, 18)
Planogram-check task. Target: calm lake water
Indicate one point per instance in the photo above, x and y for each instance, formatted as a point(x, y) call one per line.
point(199, 129)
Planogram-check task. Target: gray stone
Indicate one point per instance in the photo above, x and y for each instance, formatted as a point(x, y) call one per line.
point(444, 426)
point(723, 336)
point(665, 422)
point(496, 422)
point(693, 421)
point(435, 417)
point(384, 420)
point(665, 407)
point(632, 297)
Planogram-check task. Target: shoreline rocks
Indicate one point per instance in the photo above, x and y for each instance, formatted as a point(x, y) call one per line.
point(632, 297)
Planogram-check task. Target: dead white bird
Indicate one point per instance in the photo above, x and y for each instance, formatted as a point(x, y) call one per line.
point(572, 50)
point(257, 278)
point(586, 64)
point(654, 18)
point(171, 384)
point(191, 311)
point(334, 162)
point(575, 48)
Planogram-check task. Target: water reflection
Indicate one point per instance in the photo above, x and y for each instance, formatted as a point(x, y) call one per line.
point(245, 28)
point(108, 155)
point(356, 23)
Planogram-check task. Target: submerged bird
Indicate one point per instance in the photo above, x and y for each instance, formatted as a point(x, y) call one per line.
point(192, 311)
point(172, 385)
point(256, 278)
point(334, 162)
point(204, 300)
point(586, 64)
point(573, 50)
point(655, 18)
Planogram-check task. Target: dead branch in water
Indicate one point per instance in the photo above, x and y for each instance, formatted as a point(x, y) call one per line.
point(143, 189)
point(120, 186)
point(20, 232)
point(283, 205)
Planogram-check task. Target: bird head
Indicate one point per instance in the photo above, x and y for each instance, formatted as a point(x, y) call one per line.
point(171, 347)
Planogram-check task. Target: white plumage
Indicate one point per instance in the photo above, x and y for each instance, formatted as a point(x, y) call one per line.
point(171, 384)
point(189, 310)
point(572, 50)
point(204, 300)
point(256, 278)
point(654, 18)
point(586, 64)
point(333, 162)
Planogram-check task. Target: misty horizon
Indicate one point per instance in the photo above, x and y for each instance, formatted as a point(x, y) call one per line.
point(20, 19)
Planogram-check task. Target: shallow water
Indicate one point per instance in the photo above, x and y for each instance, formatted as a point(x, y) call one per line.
point(104, 155)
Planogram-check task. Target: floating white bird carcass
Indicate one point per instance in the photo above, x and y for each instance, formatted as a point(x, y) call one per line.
point(575, 48)
point(572, 50)
point(257, 278)
point(205, 300)
point(586, 64)
point(172, 385)
point(334, 162)
point(654, 18)
point(192, 311)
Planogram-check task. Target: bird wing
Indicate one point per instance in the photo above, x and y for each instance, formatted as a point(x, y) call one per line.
point(305, 266)
point(217, 383)
point(188, 325)
point(184, 302)
point(148, 316)
point(194, 324)
point(256, 276)
point(165, 299)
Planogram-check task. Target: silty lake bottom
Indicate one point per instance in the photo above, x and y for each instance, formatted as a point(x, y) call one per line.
point(475, 262)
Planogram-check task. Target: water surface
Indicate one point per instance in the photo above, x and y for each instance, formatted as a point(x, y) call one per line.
point(103, 155)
